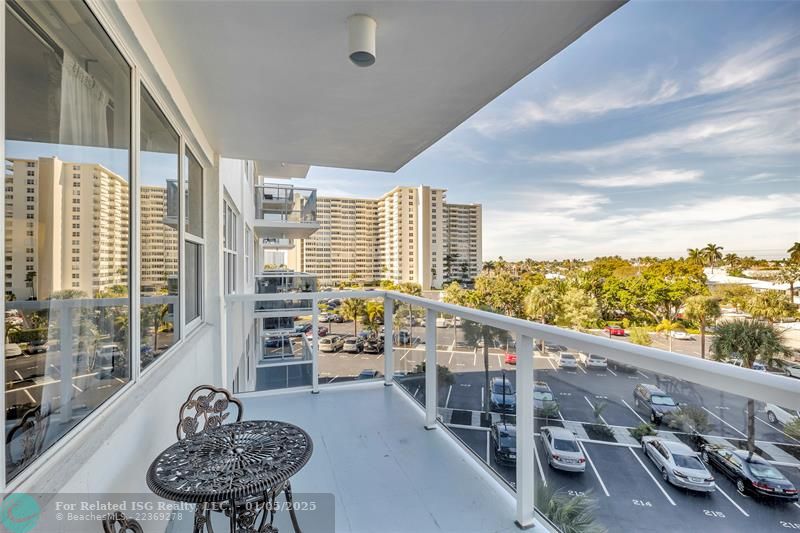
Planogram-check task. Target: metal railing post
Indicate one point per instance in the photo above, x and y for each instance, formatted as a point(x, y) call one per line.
point(430, 369)
point(388, 344)
point(314, 345)
point(525, 440)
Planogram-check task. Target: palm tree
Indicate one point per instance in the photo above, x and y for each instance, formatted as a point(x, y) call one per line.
point(770, 305)
point(573, 514)
point(695, 256)
point(351, 309)
point(476, 333)
point(712, 254)
point(542, 301)
point(750, 340)
point(702, 309)
point(794, 252)
point(374, 314)
point(666, 327)
point(790, 273)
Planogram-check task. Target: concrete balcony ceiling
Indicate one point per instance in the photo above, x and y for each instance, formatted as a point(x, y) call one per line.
point(272, 81)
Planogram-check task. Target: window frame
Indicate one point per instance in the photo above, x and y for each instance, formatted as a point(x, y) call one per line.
point(138, 78)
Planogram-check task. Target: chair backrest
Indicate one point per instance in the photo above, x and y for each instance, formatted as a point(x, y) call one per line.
point(119, 523)
point(207, 407)
point(30, 431)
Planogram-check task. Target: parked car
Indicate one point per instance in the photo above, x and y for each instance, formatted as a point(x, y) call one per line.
point(761, 367)
point(108, 355)
point(655, 402)
point(302, 329)
point(621, 367)
point(368, 374)
point(751, 473)
point(566, 360)
point(543, 400)
point(331, 343)
point(678, 464)
point(614, 331)
point(276, 341)
point(790, 368)
point(321, 332)
point(37, 346)
point(373, 344)
point(503, 438)
point(554, 348)
point(680, 335)
point(590, 360)
point(336, 318)
point(561, 449)
point(324, 317)
point(403, 337)
point(442, 322)
point(13, 350)
point(353, 345)
point(501, 395)
point(782, 415)
point(510, 358)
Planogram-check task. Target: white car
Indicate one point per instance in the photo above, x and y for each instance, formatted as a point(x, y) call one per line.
point(590, 360)
point(566, 360)
point(442, 322)
point(678, 464)
point(562, 450)
point(782, 415)
point(680, 335)
point(13, 350)
point(790, 368)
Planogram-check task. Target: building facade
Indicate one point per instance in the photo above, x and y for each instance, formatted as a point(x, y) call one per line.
point(159, 239)
point(409, 234)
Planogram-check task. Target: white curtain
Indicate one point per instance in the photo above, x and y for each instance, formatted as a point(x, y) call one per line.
point(83, 107)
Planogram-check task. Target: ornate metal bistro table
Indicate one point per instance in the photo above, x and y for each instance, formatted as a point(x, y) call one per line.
point(237, 469)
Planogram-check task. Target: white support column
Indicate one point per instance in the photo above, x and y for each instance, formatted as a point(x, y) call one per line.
point(314, 345)
point(526, 480)
point(67, 361)
point(388, 344)
point(430, 369)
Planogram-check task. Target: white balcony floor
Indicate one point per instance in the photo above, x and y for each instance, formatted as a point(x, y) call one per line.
point(386, 471)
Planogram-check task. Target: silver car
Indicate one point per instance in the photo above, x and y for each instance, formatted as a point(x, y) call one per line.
point(678, 464)
point(567, 360)
point(562, 450)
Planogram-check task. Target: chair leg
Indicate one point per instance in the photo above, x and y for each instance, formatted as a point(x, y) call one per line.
point(292, 515)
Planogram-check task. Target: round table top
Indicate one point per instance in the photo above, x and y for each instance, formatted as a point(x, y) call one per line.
point(231, 461)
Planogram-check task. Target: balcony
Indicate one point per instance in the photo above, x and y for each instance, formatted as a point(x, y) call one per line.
point(285, 212)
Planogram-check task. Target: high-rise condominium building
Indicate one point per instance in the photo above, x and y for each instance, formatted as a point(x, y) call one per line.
point(408, 234)
point(67, 228)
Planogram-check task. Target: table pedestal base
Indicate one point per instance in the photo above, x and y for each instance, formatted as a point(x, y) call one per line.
point(243, 516)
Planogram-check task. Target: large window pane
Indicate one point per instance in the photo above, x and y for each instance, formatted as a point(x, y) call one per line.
point(194, 195)
point(67, 232)
point(158, 164)
point(194, 277)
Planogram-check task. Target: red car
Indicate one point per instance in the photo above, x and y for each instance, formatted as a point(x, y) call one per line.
point(322, 331)
point(511, 359)
point(616, 331)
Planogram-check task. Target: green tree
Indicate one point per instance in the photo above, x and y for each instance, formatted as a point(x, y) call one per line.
point(571, 514)
point(542, 303)
point(712, 254)
point(702, 310)
point(351, 309)
point(475, 334)
point(790, 273)
point(666, 327)
point(373, 315)
point(695, 255)
point(502, 292)
point(578, 309)
point(734, 294)
point(770, 305)
point(639, 335)
point(794, 252)
point(750, 341)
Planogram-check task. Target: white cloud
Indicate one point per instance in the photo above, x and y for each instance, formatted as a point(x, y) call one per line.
point(643, 178)
point(765, 223)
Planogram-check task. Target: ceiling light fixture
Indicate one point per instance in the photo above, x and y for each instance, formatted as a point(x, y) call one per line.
point(361, 30)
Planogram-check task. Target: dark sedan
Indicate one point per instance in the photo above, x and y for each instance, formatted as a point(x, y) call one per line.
point(504, 443)
point(502, 397)
point(373, 345)
point(751, 473)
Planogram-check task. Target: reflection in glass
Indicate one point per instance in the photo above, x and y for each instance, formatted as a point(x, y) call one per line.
point(158, 168)
point(194, 195)
point(194, 277)
point(67, 232)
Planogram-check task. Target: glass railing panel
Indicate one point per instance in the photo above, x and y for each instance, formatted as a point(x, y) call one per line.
point(409, 349)
point(351, 339)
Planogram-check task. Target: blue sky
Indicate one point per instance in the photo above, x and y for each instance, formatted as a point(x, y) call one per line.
point(669, 125)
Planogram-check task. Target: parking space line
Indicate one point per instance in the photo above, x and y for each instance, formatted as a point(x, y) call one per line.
point(592, 406)
point(797, 505)
point(475, 357)
point(733, 502)
point(450, 361)
point(488, 446)
point(539, 464)
point(499, 361)
point(776, 429)
point(582, 369)
point(481, 396)
point(721, 420)
point(653, 478)
point(551, 364)
point(591, 463)
point(645, 376)
point(634, 412)
point(333, 378)
point(612, 372)
point(449, 390)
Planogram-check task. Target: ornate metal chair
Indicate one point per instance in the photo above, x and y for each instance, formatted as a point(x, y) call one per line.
point(30, 431)
point(212, 406)
point(208, 407)
point(119, 523)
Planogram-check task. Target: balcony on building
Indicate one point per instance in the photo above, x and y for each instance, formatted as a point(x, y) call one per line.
point(285, 212)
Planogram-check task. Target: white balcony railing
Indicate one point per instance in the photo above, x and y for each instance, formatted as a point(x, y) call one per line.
point(416, 362)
